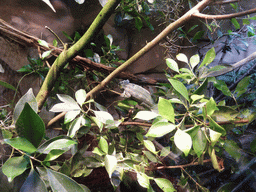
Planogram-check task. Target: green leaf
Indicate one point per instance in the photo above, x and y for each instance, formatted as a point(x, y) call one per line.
point(199, 142)
point(216, 127)
point(215, 164)
point(164, 184)
point(60, 144)
point(54, 154)
point(103, 145)
point(235, 23)
point(7, 85)
point(214, 136)
point(69, 104)
point(183, 141)
point(149, 145)
point(98, 151)
point(110, 164)
point(70, 116)
point(22, 144)
point(165, 151)
point(30, 126)
point(209, 57)
point(146, 115)
point(165, 109)
point(27, 98)
point(143, 180)
point(211, 107)
point(46, 54)
point(179, 87)
point(138, 23)
point(75, 126)
point(60, 182)
point(33, 183)
point(242, 86)
point(160, 129)
point(222, 86)
point(80, 96)
point(172, 65)
point(202, 88)
point(150, 156)
point(233, 149)
point(182, 57)
point(43, 43)
point(103, 116)
point(194, 60)
point(14, 167)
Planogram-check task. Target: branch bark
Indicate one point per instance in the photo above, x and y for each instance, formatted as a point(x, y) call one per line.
point(67, 55)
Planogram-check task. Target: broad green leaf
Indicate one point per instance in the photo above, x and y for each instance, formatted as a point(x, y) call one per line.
point(165, 109)
point(179, 87)
point(150, 146)
point(42, 147)
point(193, 131)
point(30, 125)
point(202, 88)
point(60, 182)
point(216, 127)
point(214, 136)
point(150, 156)
point(7, 85)
point(222, 86)
point(164, 184)
point(98, 151)
point(143, 180)
point(183, 141)
point(194, 60)
point(196, 97)
point(80, 96)
point(21, 143)
point(110, 164)
point(199, 142)
point(60, 144)
point(70, 116)
point(233, 149)
point(182, 57)
point(69, 104)
point(209, 57)
point(235, 23)
point(43, 43)
point(103, 145)
point(54, 154)
point(97, 122)
point(172, 65)
point(103, 116)
point(225, 113)
point(14, 167)
point(33, 183)
point(165, 151)
point(75, 126)
point(160, 129)
point(211, 107)
point(146, 115)
point(46, 54)
point(215, 164)
point(242, 86)
point(27, 98)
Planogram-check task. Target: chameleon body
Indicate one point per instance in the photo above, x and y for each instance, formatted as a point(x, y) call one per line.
point(138, 93)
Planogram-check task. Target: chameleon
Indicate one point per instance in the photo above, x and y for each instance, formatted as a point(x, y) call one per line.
point(138, 93)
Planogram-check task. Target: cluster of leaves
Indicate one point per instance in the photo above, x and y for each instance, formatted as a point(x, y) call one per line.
point(185, 113)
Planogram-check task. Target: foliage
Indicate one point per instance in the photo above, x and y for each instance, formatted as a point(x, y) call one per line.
point(185, 115)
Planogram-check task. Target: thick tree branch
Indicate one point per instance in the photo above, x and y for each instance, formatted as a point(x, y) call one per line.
point(67, 55)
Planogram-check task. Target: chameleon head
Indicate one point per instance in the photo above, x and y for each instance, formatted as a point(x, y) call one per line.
point(124, 83)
